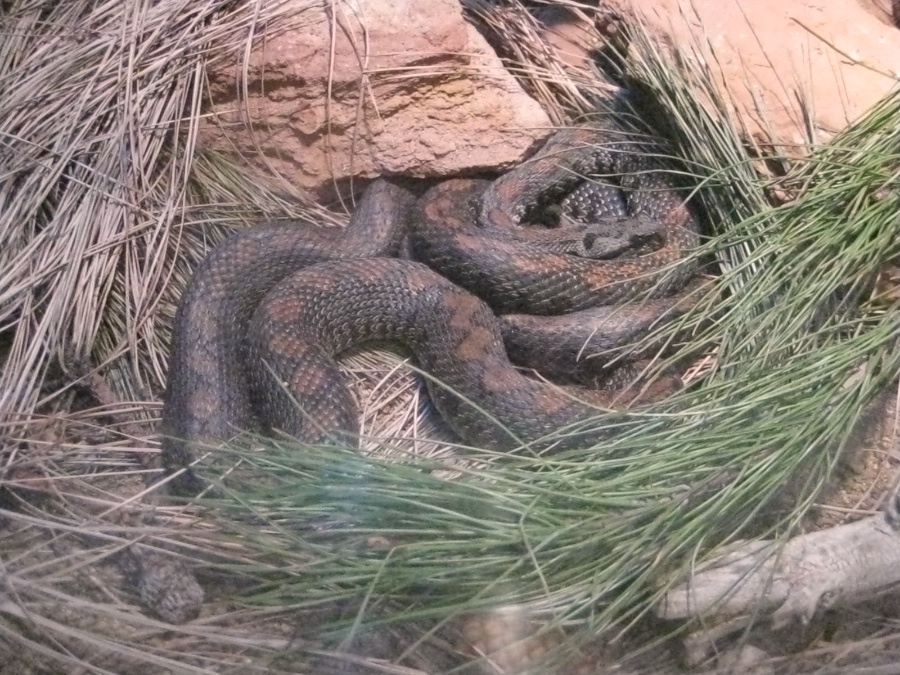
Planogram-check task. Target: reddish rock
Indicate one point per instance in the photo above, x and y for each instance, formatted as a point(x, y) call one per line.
point(408, 87)
point(842, 56)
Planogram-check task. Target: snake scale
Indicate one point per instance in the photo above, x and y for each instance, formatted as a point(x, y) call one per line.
point(273, 304)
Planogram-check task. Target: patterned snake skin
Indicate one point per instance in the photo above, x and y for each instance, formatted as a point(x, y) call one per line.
point(273, 304)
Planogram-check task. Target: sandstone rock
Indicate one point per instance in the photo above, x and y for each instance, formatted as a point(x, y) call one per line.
point(407, 88)
point(843, 56)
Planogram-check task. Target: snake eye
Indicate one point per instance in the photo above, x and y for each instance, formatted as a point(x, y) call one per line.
point(589, 240)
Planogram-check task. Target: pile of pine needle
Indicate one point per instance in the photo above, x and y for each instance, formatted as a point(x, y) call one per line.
point(308, 553)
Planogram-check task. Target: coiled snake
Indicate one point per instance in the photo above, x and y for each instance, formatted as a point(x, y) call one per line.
point(274, 303)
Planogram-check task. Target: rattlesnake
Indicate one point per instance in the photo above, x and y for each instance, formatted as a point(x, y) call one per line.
point(270, 305)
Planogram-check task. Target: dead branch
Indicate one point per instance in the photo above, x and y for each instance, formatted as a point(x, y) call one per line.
point(840, 566)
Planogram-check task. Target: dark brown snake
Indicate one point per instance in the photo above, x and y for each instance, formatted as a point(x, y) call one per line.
point(273, 304)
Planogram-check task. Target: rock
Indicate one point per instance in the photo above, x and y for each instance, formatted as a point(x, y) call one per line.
point(771, 51)
point(413, 90)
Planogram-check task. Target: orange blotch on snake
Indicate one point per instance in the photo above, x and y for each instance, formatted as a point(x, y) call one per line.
point(477, 342)
point(282, 308)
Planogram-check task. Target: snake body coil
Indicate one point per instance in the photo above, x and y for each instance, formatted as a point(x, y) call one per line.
point(322, 310)
point(273, 304)
point(207, 396)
